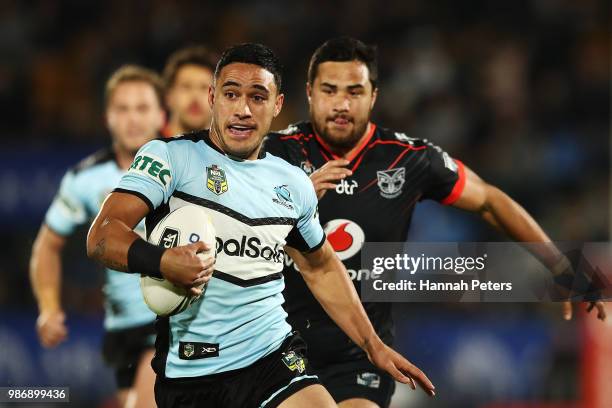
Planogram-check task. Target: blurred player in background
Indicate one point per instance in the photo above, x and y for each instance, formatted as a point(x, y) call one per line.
point(232, 347)
point(187, 75)
point(368, 180)
point(134, 116)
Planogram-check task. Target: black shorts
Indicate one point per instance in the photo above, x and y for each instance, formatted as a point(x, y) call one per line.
point(122, 350)
point(357, 379)
point(265, 383)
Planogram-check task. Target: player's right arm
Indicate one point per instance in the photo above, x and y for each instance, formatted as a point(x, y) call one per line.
point(46, 278)
point(66, 213)
point(112, 241)
point(112, 236)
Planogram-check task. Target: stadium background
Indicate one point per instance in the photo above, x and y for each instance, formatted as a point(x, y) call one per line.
point(518, 90)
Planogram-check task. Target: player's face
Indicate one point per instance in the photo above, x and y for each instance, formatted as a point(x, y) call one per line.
point(134, 115)
point(244, 101)
point(341, 99)
point(187, 99)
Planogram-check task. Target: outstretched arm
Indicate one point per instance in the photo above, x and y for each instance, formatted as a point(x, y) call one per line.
point(46, 278)
point(328, 281)
point(507, 216)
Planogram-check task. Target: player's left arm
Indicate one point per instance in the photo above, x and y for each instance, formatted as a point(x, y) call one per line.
point(328, 280)
point(510, 218)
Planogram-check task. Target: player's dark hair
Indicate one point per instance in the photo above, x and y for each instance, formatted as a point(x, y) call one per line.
point(194, 55)
point(134, 73)
point(344, 49)
point(256, 54)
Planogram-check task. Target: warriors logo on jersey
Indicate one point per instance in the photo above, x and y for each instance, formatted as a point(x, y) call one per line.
point(391, 182)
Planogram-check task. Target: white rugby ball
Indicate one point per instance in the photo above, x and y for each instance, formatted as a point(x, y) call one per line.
point(183, 226)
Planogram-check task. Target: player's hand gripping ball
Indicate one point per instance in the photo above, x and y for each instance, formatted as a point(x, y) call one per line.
point(183, 226)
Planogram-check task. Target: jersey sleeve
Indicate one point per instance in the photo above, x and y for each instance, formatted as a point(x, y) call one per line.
point(152, 176)
point(273, 145)
point(68, 210)
point(286, 147)
point(307, 235)
point(446, 179)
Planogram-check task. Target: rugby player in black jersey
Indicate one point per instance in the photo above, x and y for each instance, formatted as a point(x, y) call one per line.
point(368, 180)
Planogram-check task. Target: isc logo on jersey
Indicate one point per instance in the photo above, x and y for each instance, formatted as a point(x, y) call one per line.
point(152, 167)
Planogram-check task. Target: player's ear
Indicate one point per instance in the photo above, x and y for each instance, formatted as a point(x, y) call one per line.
point(162, 118)
point(278, 104)
point(374, 96)
point(107, 119)
point(211, 96)
point(168, 98)
point(308, 91)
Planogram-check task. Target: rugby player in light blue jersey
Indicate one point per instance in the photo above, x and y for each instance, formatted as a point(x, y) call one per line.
point(134, 116)
point(233, 347)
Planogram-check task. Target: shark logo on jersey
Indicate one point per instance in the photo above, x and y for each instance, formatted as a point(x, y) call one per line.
point(390, 182)
point(283, 196)
point(153, 167)
point(294, 362)
point(216, 180)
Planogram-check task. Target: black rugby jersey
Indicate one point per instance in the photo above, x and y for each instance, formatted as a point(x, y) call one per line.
point(391, 173)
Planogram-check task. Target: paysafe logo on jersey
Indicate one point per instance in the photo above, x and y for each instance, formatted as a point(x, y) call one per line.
point(345, 236)
point(216, 180)
point(390, 182)
point(251, 247)
point(283, 196)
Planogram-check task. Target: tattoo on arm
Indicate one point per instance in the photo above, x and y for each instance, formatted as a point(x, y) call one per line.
point(99, 252)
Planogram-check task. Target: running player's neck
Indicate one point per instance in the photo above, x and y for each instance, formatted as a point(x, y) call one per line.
point(217, 140)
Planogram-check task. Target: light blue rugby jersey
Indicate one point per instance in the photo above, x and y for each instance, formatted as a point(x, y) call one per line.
point(81, 193)
point(256, 207)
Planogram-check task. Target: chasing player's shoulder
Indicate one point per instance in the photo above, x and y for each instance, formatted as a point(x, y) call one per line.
point(94, 161)
point(181, 146)
point(296, 132)
point(284, 167)
point(401, 138)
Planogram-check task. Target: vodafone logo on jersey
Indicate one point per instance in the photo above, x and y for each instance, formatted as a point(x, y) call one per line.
point(345, 236)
